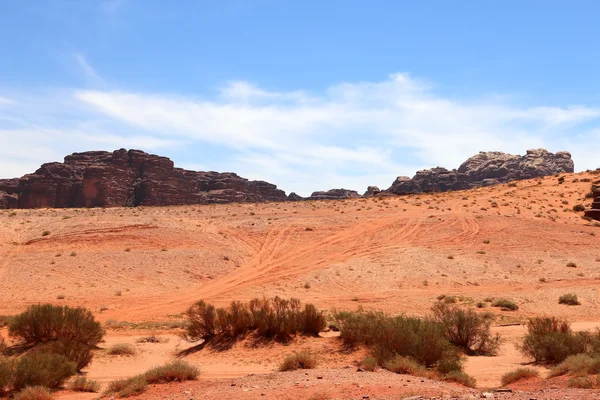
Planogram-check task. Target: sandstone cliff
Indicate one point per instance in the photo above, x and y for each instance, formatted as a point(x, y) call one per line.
point(128, 178)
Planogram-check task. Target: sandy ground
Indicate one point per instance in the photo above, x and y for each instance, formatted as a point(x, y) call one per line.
point(138, 269)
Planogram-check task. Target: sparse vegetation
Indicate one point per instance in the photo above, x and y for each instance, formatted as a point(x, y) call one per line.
point(461, 378)
point(467, 329)
point(505, 305)
point(580, 382)
point(127, 387)
point(569, 299)
point(274, 318)
point(42, 369)
point(35, 393)
point(519, 374)
point(369, 364)
point(578, 207)
point(82, 384)
point(122, 349)
point(578, 365)
point(301, 360)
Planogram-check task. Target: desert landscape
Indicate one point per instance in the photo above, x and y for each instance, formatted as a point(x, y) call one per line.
point(138, 269)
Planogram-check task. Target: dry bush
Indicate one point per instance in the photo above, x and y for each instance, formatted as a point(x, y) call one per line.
point(42, 369)
point(46, 322)
point(582, 382)
point(505, 305)
point(7, 372)
point(122, 349)
point(78, 353)
point(569, 299)
point(127, 387)
point(467, 329)
point(519, 374)
point(461, 378)
point(301, 360)
point(405, 365)
point(35, 393)
point(550, 340)
point(578, 364)
point(269, 318)
point(3, 345)
point(82, 384)
point(178, 371)
point(369, 364)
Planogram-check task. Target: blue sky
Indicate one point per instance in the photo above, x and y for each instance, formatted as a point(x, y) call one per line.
point(309, 95)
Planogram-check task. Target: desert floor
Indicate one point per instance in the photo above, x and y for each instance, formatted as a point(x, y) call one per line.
point(138, 269)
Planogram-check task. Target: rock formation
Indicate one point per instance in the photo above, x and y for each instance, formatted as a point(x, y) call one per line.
point(483, 169)
point(127, 178)
point(334, 194)
point(372, 191)
point(594, 212)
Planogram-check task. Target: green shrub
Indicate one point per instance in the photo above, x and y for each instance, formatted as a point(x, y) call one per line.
point(82, 384)
point(519, 374)
point(34, 393)
point(178, 371)
point(550, 340)
point(43, 323)
point(314, 320)
point(421, 339)
point(505, 305)
point(43, 369)
point(121, 349)
point(78, 353)
point(7, 372)
point(467, 329)
point(202, 320)
point(569, 299)
point(301, 360)
point(127, 387)
point(452, 362)
point(461, 378)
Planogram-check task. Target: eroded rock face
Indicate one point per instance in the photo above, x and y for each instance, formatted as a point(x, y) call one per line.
point(128, 178)
point(485, 168)
point(334, 194)
point(594, 212)
point(372, 191)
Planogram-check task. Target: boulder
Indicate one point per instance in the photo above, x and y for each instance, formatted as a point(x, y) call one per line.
point(372, 191)
point(295, 197)
point(128, 178)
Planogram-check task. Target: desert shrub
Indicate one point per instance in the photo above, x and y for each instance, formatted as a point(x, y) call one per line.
point(301, 360)
point(461, 378)
point(7, 371)
point(467, 329)
point(43, 323)
point(578, 207)
point(270, 318)
point(127, 387)
point(550, 340)
point(122, 349)
point(202, 320)
point(452, 362)
point(421, 339)
point(519, 374)
point(581, 382)
point(578, 364)
point(505, 304)
point(405, 365)
point(174, 371)
point(369, 364)
point(569, 299)
point(43, 369)
point(82, 384)
point(78, 353)
point(35, 393)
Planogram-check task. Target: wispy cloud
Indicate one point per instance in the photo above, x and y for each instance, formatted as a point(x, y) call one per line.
point(351, 134)
point(85, 66)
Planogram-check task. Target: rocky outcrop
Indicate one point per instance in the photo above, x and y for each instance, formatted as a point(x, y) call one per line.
point(483, 169)
point(372, 191)
point(128, 178)
point(594, 212)
point(295, 197)
point(334, 194)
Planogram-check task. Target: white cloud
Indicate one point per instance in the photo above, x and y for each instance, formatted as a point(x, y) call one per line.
point(351, 134)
